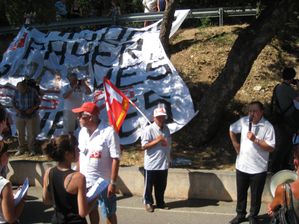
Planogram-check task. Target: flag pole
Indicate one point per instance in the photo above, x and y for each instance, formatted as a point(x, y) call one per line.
point(143, 115)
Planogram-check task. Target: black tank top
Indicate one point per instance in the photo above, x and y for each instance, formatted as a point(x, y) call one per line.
point(65, 204)
point(295, 206)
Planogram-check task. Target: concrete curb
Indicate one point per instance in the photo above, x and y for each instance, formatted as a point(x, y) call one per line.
point(182, 183)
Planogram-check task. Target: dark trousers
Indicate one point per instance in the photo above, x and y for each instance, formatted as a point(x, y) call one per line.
point(158, 180)
point(256, 183)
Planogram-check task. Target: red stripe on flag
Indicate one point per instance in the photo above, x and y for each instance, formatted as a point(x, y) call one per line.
point(117, 104)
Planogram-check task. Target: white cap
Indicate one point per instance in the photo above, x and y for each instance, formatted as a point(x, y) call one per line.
point(160, 111)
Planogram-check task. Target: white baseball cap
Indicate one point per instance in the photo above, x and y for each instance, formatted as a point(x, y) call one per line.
point(160, 111)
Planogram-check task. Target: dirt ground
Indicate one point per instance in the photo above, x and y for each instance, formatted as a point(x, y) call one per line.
point(204, 52)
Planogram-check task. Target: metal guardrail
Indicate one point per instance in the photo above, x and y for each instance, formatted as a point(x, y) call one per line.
point(220, 13)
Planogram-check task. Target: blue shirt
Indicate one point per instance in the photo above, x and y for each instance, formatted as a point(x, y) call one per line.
point(25, 101)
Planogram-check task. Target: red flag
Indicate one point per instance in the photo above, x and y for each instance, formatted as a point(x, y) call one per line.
point(117, 104)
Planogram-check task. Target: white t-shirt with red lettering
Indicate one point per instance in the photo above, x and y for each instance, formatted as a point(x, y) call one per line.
point(97, 151)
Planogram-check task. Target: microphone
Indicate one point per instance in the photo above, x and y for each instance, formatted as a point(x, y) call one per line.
point(250, 123)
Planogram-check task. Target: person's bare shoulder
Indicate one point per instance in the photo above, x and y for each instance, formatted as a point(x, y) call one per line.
point(74, 181)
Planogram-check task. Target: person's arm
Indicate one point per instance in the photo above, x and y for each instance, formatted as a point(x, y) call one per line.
point(68, 92)
point(83, 206)
point(10, 212)
point(87, 89)
point(46, 194)
point(31, 109)
point(153, 143)
point(235, 142)
point(277, 200)
point(36, 105)
point(158, 5)
point(114, 174)
point(14, 104)
point(260, 142)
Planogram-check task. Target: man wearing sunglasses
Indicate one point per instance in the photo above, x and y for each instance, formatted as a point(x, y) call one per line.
point(99, 157)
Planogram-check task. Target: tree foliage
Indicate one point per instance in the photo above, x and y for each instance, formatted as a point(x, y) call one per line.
point(15, 10)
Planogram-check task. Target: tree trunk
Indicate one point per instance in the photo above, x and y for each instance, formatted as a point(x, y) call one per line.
point(168, 18)
point(244, 52)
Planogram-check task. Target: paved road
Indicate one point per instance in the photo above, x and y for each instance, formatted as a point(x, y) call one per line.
point(131, 211)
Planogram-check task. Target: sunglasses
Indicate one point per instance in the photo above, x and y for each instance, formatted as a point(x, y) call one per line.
point(84, 116)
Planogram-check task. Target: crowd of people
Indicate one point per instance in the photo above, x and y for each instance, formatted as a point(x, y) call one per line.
point(76, 11)
point(65, 10)
point(97, 155)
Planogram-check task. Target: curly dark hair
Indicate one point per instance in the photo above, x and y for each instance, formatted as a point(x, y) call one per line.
point(57, 147)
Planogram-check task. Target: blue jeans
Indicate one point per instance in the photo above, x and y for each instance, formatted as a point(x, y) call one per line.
point(108, 205)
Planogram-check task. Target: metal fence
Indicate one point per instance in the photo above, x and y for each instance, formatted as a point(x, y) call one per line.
point(220, 13)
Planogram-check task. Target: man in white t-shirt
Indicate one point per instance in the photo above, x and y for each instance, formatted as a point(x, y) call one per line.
point(156, 143)
point(73, 94)
point(99, 157)
point(257, 140)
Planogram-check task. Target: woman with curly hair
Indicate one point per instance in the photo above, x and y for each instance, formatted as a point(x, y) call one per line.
point(63, 187)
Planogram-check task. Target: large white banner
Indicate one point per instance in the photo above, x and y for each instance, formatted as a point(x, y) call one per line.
point(133, 59)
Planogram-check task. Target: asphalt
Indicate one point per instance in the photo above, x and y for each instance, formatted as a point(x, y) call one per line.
point(130, 210)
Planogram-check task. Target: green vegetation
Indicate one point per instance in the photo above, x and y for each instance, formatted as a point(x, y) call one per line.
point(205, 22)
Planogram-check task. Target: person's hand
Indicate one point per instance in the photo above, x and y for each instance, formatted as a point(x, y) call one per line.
point(18, 111)
point(111, 190)
point(76, 86)
point(29, 111)
point(251, 136)
point(162, 139)
point(85, 82)
point(270, 211)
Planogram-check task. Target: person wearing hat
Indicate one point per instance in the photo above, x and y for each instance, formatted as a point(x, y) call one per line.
point(9, 213)
point(288, 194)
point(257, 140)
point(73, 94)
point(99, 157)
point(283, 99)
point(156, 143)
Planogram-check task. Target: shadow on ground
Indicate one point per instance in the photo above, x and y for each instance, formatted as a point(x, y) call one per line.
point(192, 203)
point(36, 212)
point(264, 219)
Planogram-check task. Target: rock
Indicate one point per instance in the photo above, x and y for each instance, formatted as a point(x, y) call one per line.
point(257, 88)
